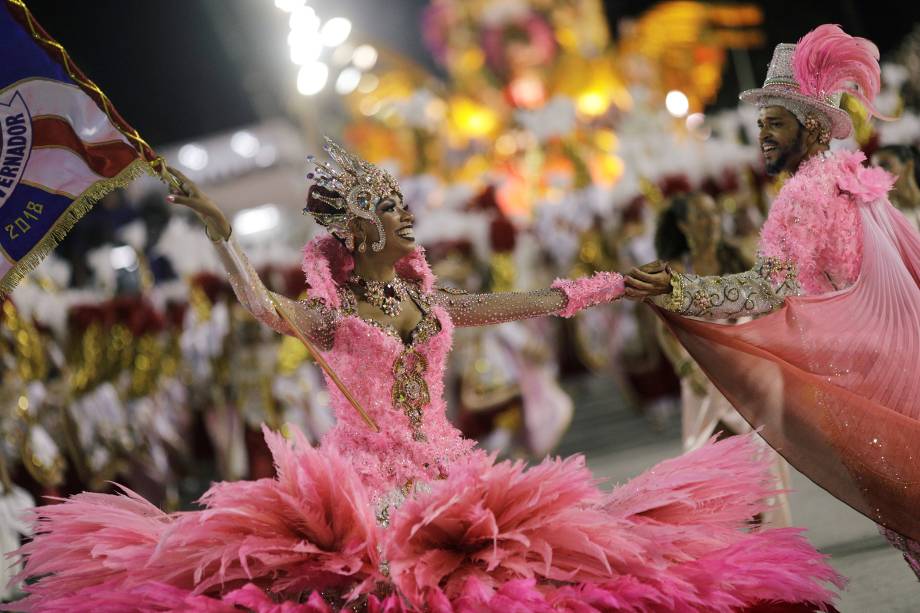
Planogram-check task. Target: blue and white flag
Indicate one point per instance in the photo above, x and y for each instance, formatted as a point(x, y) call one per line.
point(62, 144)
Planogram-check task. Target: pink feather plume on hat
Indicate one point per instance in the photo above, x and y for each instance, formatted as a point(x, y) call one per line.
point(827, 60)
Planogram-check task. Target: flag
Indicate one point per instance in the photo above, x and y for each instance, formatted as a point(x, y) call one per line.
point(62, 144)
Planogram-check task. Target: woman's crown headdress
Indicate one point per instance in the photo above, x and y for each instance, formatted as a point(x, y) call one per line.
point(353, 190)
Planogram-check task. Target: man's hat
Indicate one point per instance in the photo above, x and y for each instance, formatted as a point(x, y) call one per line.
point(809, 78)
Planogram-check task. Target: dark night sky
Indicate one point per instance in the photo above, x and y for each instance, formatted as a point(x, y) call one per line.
point(174, 73)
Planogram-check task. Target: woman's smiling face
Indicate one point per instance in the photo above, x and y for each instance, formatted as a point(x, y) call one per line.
point(397, 228)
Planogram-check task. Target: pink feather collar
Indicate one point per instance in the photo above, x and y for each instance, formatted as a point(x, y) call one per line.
point(327, 264)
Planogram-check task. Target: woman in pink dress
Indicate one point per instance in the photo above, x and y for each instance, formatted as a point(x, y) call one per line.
point(411, 516)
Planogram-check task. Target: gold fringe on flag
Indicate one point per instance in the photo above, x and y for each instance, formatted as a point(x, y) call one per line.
point(77, 209)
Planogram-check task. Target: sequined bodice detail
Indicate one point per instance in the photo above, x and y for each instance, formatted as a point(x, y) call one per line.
point(401, 385)
point(409, 393)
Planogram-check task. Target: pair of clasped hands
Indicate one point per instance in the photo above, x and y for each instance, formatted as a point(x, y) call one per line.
point(652, 279)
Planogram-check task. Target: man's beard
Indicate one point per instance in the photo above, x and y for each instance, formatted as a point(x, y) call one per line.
point(779, 165)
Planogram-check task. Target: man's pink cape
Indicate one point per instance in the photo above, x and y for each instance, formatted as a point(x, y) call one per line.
point(833, 381)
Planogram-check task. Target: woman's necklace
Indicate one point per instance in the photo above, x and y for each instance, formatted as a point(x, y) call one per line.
point(386, 296)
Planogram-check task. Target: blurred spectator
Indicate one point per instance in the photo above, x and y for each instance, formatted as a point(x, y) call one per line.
point(903, 161)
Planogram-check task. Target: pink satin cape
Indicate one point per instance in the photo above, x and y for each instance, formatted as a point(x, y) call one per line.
point(833, 381)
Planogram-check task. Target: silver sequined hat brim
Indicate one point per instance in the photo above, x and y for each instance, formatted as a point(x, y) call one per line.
point(799, 105)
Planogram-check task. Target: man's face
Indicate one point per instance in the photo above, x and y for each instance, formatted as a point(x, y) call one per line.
point(782, 139)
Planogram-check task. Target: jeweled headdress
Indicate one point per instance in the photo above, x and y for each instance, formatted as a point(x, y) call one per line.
point(809, 78)
point(354, 190)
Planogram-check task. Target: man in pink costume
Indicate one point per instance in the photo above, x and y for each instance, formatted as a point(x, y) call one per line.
point(829, 372)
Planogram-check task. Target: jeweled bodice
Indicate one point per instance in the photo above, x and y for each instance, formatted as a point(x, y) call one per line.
point(401, 386)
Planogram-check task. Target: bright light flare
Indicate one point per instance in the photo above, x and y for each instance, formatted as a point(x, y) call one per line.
point(364, 57)
point(677, 103)
point(348, 81)
point(289, 6)
point(193, 157)
point(311, 79)
point(123, 258)
point(244, 144)
point(257, 219)
point(305, 49)
point(303, 21)
point(335, 31)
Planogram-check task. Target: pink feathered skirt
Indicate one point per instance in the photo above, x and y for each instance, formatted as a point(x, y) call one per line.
point(492, 536)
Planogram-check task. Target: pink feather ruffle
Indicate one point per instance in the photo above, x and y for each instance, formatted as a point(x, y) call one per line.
point(814, 221)
point(327, 264)
point(597, 289)
point(501, 536)
point(415, 268)
point(312, 527)
point(491, 536)
point(88, 540)
point(156, 597)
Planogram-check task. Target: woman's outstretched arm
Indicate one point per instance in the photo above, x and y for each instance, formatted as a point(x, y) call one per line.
point(313, 319)
point(564, 298)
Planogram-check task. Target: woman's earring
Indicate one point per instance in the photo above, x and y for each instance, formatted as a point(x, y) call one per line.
point(362, 247)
